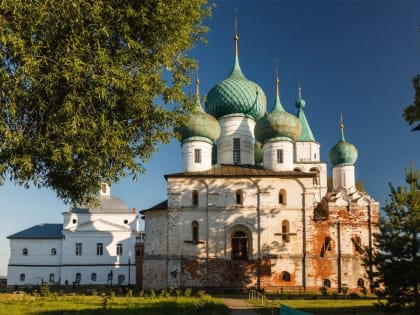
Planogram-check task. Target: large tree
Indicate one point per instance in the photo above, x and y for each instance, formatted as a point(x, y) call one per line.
point(412, 112)
point(89, 88)
point(397, 263)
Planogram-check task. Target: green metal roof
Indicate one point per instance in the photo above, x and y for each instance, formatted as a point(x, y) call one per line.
point(306, 134)
point(198, 124)
point(343, 153)
point(278, 123)
point(236, 95)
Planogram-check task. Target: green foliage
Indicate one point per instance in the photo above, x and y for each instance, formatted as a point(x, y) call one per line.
point(45, 290)
point(412, 112)
point(323, 290)
point(397, 264)
point(89, 88)
point(187, 292)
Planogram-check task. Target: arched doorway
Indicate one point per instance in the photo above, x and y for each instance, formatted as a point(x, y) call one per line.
point(240, 245)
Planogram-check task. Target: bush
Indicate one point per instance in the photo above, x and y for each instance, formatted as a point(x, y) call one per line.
point(323, 290)
point(354, 295)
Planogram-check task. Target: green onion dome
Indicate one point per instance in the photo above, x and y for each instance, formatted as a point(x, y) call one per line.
point(306, 134)
point(198, 123)
point(236, 94)
point(343, 153)
point(277, 124)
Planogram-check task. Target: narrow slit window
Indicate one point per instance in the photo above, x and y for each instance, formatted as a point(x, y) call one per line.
point(194, 196)
point(280, 156)
point(285, 231)
point(195, 231)
point(239, 197)
point(119, 249)
point(79, 249)
point(197, 156)
point(282, 197)
point(99, 249)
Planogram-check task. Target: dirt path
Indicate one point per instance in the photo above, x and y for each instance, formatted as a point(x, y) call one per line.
point(239, 306)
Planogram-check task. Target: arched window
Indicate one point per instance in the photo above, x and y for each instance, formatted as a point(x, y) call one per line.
point(285, 276)
point(52, 278)
point(195, 231)
point(239, 197)
point(326, 283)
point(297, 169)
point(25, 252)
point(360, 283)
point(282, 197)
point(194, 197)
point(53, 252)
point(22, 277)
point(93, 277)
point(285, 231)
point(240, 245)
point(326, 246)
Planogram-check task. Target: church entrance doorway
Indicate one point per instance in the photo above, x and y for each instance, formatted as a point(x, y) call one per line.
point(240, 245)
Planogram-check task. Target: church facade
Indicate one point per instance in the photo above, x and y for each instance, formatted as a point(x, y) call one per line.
point(251, 207)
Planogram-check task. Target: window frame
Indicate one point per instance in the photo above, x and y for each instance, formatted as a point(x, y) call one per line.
point(197, 156)
point(280, 156)
point(194, 198)
point(195, 232)
point(79, 249)
point(99, 249)
point(119, 249)
point(236, 157)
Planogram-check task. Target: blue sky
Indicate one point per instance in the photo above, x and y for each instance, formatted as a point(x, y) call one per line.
point(355, 57)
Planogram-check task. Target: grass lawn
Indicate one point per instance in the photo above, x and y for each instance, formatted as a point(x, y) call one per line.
point(17, 304)
point(324, 306)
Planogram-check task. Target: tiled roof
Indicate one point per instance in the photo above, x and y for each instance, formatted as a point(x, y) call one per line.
point(226, 170)
point(40, 231)
point(159, 206)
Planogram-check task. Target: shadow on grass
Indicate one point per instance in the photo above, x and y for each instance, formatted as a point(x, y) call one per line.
point(161, 308)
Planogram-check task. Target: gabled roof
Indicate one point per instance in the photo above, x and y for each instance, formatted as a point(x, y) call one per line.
point(160, 206)
point(227, 170)
point(40, 231)
point(99, 225)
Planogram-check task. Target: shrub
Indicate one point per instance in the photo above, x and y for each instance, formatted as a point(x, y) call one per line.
point(187, 292)
point(323, 290)
point(354, 295)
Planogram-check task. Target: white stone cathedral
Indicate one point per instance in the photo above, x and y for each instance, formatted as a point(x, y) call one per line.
point(251, 207)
